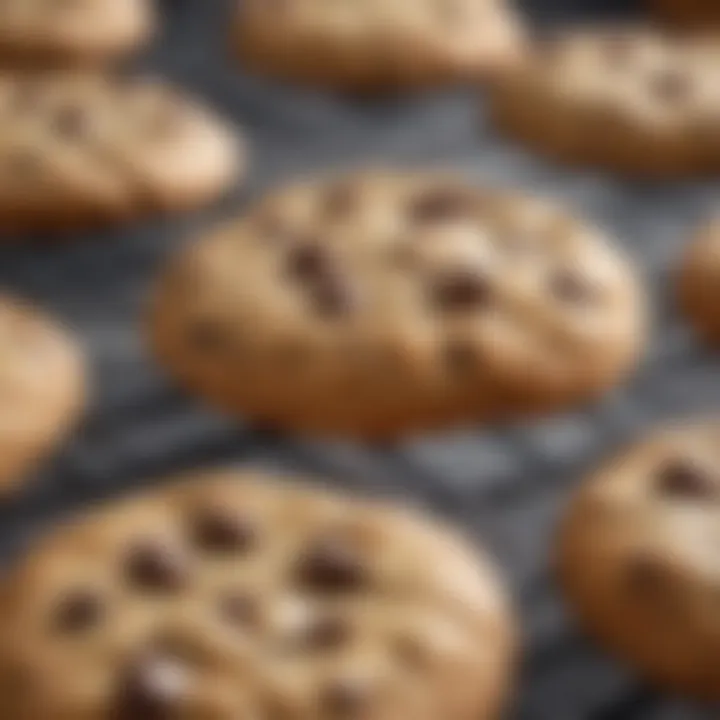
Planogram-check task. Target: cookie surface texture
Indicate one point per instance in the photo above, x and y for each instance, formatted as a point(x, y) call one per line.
point(42, 384)
point(79, 151)
point(375, 45)
point(700, 283)
point(637, 562)
point(384, 303)
point(233, 596)
point(53, 33)
point(635, 102)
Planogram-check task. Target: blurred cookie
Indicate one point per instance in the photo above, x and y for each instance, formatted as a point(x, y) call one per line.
point(700, 283)
point(384, 303)
point(78, 151)
point(638, 558)
point(71, 32)
point(374, 45)
point(695, 13)
point(235, 597)
point(632, 101)
point(42, 389)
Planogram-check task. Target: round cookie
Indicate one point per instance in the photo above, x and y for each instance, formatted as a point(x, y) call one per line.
point(632, 101)
point(699, 283)
point(42, 388)
point(78, 151)
point(384, 303)
point(695, 13)
point(233, 596)
point(52, 33)
point(637, 558)
point(375, 45)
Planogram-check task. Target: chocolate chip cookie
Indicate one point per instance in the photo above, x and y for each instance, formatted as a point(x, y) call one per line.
point(51, 33)
point(234, 597)
point(638, 561)
point(694, 13)
point(699, 286)
point(78, 151)
point(383, 303)
point(374, 45)
point(42, 388)
point(632, 101)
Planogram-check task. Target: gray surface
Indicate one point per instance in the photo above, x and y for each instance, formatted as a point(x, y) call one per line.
point(505, 485)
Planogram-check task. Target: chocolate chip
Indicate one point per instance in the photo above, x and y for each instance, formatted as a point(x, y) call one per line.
point(569, 287)
point(685, 480)
point(216, 530)
point(78, 612)
point(309, 261)
point(345, 699)
point(332, 566)
point(460, 356)
point(338, 201)
point(240, 609)
point(153, 688)
point(461, 289)
point(156, 568)
point(327, 633)
point(441, 204)
point(333, 296)
point(71, 121)
point(670, 86)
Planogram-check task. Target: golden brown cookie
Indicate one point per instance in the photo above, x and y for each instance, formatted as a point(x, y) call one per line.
point(78, 151)
point(694, 13)
point(633, 101)
point(699, 283)
point(42, 389)
point(52, 33)
point(638, 557)
point(384, 303)
point(375, 45)
point(233, 596)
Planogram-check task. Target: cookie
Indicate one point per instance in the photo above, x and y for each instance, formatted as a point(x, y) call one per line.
point(77, 151)
point(53, 33)
point(699, 283)
point(232, 596)
point(632, 101)
point(374, 45)
point(694, 13)
point(637, 557)
point(42, 386)
point(382, 303)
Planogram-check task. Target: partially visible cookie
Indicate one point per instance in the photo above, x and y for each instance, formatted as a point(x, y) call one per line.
point(633, 101)
point(374, 45)
point(379, 304)
point(78, 151)
point(638, 558)
point(42, 388)
point(699, 283)
point(52, 33)
point(233, 596)
point(695, 13)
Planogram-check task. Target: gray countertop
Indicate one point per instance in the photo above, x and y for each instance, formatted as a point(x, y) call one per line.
point(505, 485)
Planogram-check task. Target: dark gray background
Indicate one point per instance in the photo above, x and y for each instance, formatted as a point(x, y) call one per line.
point(506, 485)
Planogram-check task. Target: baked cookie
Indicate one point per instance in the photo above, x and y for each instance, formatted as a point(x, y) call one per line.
point(375, 45)
point(78, 151)
point(383, 303)
point(71, 32)
point(699, 285)
point(235, 597)
point(42, 388)
point(637, 557)
point(695, 13)
point(633, 101)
